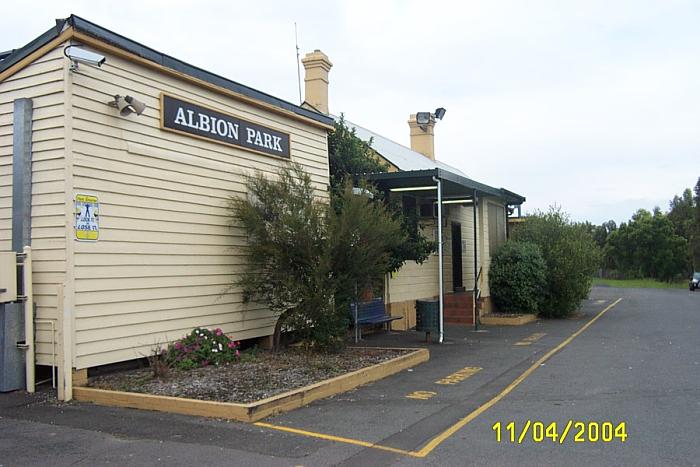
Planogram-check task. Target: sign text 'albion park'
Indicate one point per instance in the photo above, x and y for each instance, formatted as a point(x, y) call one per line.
point(200, 121)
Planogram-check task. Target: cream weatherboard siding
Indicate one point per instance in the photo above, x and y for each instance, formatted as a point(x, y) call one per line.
point(42, 81)
point(166, 255)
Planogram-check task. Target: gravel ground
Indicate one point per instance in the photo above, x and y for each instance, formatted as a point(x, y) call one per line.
point(252, 379)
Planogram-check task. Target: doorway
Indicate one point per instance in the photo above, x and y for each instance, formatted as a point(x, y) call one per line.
point(457, 257)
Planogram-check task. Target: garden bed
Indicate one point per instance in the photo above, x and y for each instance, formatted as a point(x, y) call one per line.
point(255, 377)
point(250, 390)
point(507, 319)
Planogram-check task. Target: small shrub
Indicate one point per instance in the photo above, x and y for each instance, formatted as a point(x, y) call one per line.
point(158, 362)
point(517, 277)
point(202, 347)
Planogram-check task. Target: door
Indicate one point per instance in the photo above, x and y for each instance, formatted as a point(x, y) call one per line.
point(456, 255)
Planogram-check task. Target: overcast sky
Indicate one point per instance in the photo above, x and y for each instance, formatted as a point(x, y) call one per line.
point(590, 105)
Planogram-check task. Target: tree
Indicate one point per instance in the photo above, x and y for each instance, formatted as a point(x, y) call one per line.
point(647, 246)
point(695, 230)
point(362, 236)
point(571, 256)
point(350, 158)
point(304, 256)
point(682, 213)
point(683, 218)
point(286, 249)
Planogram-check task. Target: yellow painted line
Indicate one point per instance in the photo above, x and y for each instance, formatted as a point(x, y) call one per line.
point(421, 395)
point(439, 439)
point(530, 339)
point(459, 376)
point(338, 439)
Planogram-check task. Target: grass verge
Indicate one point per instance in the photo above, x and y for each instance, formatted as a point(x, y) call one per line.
point(640, 283)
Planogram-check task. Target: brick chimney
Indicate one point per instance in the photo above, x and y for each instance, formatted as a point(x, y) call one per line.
point(317, 65)
point(422, 136)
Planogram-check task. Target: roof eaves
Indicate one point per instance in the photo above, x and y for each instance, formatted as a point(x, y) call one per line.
point(81, 25)
point(509, 196)
point(468, 183)
point(16, 55)
point(167, 61)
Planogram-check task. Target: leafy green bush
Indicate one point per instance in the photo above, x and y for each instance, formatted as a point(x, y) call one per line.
point(517, 277)
point(306, 258)
point(202, 347)
point(571, 255)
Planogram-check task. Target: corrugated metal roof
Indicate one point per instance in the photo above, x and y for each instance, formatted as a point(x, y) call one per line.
point(399, 155)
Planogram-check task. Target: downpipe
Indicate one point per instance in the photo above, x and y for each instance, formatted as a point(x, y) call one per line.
point(440, 266)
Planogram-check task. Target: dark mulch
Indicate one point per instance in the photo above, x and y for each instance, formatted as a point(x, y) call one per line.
point(253, 378)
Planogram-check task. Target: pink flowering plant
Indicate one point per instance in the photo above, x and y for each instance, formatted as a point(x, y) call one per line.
point(203, 347)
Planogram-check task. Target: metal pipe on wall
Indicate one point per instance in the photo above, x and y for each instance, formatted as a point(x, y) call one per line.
point(476, 265)
point(29, 319)
point(440, 267)
point(22, 118)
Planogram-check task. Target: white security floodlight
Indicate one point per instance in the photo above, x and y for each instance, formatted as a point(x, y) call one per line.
point(127, 105)
point(423, 118)
point(78, 55)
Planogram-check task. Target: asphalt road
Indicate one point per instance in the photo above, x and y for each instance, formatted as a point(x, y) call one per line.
point(639, 363)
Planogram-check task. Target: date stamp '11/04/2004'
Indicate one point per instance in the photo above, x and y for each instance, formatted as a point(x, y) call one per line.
point(573, 431)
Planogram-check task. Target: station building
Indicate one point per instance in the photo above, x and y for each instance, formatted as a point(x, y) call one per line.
point(117, 163)
point(154, 255)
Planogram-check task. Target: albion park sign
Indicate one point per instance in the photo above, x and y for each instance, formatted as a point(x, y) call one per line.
point(193, 119)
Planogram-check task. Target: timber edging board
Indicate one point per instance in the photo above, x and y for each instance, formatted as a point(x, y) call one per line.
point(495, 320)
point(254, 411)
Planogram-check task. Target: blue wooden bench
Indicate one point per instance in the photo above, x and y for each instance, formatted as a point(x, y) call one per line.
point(371, 312)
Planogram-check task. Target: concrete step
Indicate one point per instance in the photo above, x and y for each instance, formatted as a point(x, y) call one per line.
point(458, 320)
point(458, 311)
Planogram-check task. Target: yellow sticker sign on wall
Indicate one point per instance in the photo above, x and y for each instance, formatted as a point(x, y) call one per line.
point(87, 217)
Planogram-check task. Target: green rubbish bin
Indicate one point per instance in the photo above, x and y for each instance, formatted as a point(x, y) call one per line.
point(428, 316)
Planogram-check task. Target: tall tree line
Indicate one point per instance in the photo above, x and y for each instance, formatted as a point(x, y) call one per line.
point(659, 245)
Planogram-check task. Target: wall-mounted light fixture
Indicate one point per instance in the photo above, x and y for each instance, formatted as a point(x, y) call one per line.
point(127, 105)
point(424, 118)
point(414, 188)
point(78, 55)
point(458, 201)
